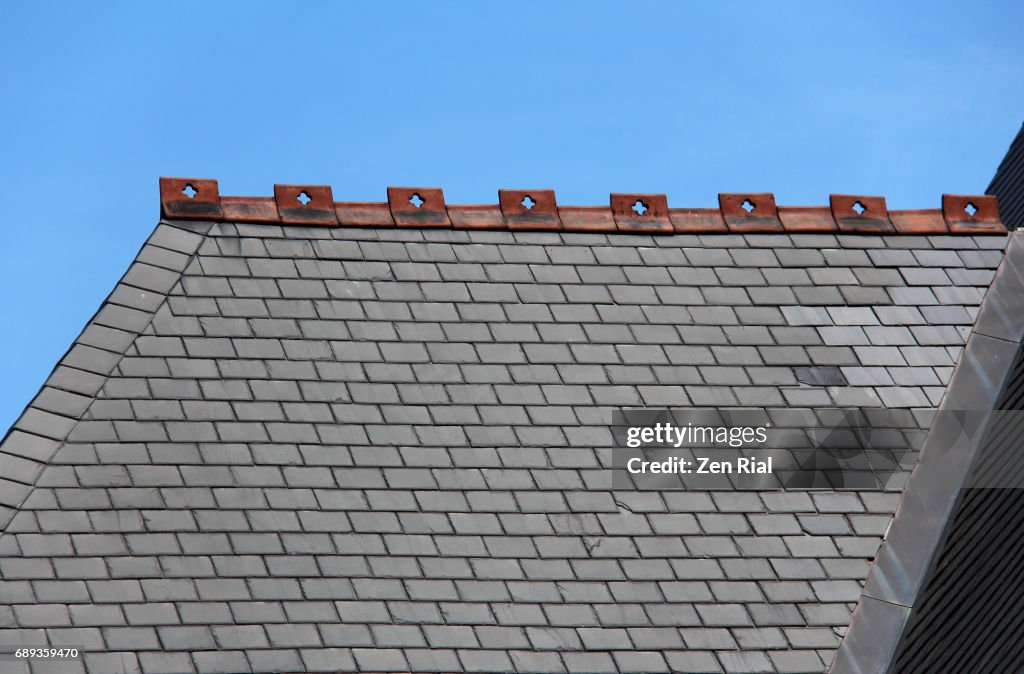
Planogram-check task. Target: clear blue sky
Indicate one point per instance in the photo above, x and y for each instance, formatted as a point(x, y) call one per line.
point(100, 99)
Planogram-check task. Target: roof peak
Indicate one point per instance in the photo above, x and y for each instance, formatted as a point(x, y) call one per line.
point(537, 210)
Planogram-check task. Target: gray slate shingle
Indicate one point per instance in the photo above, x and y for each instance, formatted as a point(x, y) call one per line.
point(381, 449)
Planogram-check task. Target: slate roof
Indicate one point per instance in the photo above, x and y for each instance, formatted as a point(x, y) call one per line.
point(377, 447)
point(1008, 184)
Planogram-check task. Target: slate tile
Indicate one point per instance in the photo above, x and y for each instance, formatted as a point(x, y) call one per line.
point(591, 663)
point(796, 661)
point(801, 315)
point(745, 661)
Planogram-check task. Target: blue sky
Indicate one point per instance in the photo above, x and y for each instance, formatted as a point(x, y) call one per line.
point(908, 100)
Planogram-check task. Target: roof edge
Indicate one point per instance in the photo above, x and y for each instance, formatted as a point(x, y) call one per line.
point(1007, 183)
point(65, 397)
point(919, 527)
point(314, 205)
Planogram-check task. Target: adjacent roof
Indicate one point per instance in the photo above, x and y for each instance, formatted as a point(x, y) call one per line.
point(938, 592)
point(1008, 184)
point(378, 440)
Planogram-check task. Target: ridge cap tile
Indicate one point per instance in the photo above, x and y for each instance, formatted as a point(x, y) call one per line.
point(418, 207)
point(305, 204)
point(750, 212)
point(530, 210)
point(537, 210)
point(858, 213)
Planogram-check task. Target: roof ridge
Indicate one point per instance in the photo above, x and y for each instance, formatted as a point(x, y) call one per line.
point(537, 210)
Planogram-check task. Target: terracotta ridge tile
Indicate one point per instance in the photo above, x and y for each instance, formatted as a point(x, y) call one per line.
point(538, 210)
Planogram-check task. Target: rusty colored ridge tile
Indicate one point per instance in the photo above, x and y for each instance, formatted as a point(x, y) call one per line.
point(972, 214)
point(919, 221)
point(538, 210)
point(476, 217)
point(418, 207)
point(641, 213)
point(530, 210)
point(596, 219)
point(363, 214)
point(858, 214)
point(306, 205)
point(748, 213)
point(251, 209)
point(807, 219)
point(697, 221)
point(190, 198)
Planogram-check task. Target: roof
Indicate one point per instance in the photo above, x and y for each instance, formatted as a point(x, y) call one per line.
point(1008, 184)
point(360, 437)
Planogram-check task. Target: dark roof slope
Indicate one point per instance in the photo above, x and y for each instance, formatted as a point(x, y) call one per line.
point(940, 592)
point(1008, 184)
point(310, 448)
